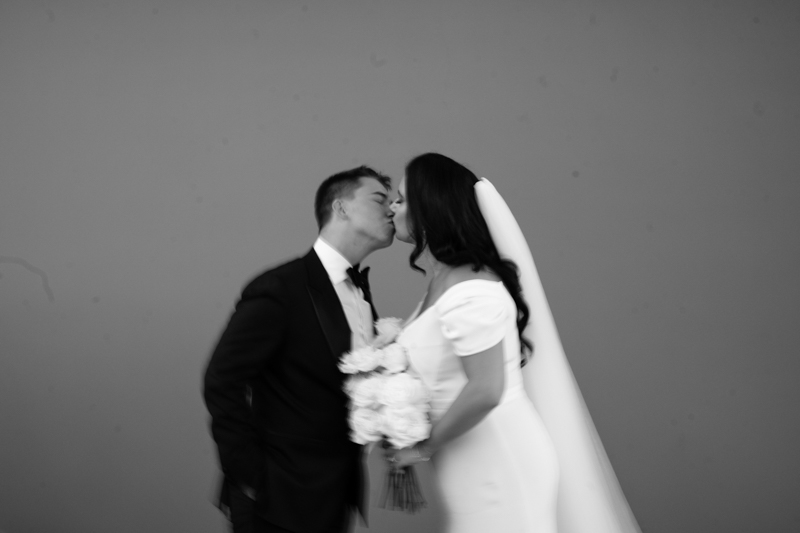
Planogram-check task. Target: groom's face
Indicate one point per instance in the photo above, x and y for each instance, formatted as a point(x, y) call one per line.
point(370, 214)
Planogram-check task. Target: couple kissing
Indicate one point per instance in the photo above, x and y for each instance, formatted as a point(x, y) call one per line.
point(497, 443)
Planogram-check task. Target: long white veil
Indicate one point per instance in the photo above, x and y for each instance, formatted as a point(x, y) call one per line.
point(590, 499)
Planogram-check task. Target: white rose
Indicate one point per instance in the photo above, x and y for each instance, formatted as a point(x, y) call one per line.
point(403, 389)
point(405, 426)
point(352, 382)
point(365, 425)
point(362, 360)
point(388, 330)
point(364, 391)
point(395, 358)
point(346, 366)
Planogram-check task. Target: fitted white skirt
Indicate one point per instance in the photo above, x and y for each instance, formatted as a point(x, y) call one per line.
point(502, 475)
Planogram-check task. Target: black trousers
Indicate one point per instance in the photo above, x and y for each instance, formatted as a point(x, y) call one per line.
point(244, 518)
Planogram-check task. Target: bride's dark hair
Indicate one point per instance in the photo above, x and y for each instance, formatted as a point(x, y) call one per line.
point(443, 216)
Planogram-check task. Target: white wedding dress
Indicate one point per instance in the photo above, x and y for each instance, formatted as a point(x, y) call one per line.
point(501, 475)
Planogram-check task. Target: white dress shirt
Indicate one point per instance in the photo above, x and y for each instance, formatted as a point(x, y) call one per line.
point(356, 309)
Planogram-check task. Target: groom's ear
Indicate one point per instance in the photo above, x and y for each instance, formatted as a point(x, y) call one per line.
point(339, 209)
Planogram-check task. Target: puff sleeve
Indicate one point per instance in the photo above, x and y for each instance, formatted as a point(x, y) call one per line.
point(473, 315)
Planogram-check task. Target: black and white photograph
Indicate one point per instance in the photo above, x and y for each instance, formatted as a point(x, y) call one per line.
point(381, 266)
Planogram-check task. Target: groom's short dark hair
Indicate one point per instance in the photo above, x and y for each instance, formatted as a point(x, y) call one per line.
point(341, 185)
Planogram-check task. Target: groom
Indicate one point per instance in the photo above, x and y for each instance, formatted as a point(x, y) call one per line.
point(272, 386)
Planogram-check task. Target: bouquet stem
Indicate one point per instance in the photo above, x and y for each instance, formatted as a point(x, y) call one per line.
point(401, 491)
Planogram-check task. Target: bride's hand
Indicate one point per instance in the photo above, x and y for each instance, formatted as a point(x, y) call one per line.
point(400, 458)
point(389, 453)
point(406, 456)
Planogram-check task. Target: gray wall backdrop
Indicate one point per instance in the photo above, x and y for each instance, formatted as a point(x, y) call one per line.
point(154, 155)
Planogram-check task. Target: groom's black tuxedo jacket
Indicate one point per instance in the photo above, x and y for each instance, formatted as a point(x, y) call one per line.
point(279, 413)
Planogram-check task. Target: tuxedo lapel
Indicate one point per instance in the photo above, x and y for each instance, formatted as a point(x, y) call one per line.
point(326, 302)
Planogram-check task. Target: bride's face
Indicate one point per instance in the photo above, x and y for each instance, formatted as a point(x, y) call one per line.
point(400, 209)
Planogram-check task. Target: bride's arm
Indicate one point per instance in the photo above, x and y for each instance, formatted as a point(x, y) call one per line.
point(481, 394)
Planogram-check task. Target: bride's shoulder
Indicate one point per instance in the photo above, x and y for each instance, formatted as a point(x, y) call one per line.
point(471, 296)
point(464, 273)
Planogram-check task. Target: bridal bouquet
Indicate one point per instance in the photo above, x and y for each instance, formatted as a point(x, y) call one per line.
point(387, 402)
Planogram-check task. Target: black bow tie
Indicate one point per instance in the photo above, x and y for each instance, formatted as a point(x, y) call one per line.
point(361, 280)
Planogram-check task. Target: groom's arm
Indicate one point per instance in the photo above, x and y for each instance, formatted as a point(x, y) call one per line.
point(253, 336)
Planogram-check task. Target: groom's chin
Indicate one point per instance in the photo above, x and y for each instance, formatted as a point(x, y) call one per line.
point(390, 238)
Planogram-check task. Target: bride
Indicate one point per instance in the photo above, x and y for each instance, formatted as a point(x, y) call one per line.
point(514, 449)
